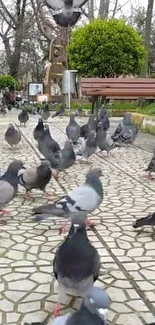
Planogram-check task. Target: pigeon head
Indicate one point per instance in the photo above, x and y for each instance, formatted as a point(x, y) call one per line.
point(45, 162)
point(72, 118)
point(97, 301)
point(92, 179)
point(15, 166)
point(11, 126)
point(146, 221)
point(68, 144)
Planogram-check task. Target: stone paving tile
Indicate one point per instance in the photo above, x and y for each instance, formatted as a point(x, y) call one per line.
point(28, 290)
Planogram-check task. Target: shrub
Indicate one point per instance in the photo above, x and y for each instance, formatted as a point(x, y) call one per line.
point(7, 81)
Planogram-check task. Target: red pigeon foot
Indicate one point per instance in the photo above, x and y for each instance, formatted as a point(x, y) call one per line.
point(57, 310)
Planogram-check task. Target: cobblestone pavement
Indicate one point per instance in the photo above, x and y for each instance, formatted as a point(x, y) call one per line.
point(28, 290)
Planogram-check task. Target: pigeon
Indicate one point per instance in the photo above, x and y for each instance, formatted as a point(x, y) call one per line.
point(47, 144)
point(12, 135)
point(35, 178)
point(125, 122)
point(90, 146)
point(76, 264)
point(9, 184)
point(45, 113)
point(102, 112)
point(151, 166)
point(39, 130)
point(91, 124)
point(67, 156)
point(3, 110)
point(128, 134)
point(104, 141)
point(79, 111)
point(93, 311)
point(73, 130)
point(23, 117)
point(59, 112)
point(105, 122)
point(146, 221)
point(78, 203)
point(66, 12)
point(84, 131)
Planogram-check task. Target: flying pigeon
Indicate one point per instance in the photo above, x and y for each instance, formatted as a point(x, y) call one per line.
point(23, 117)
point(73, 130)
point(93, 311)
point(39, 130)
point(151, 166)
point(12, 135)
point(89, 147)
point(146, 221)
point(76, 264)
point(66, 12)
point(45, 113)
point(9, 184)
point(77, 204)
point(60, 111)
point(35, 178)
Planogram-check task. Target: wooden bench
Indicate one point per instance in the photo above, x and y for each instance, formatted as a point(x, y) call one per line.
point(118, 88)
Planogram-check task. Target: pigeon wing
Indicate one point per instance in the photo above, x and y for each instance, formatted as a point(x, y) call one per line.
point(28, 176)
point(6, 193)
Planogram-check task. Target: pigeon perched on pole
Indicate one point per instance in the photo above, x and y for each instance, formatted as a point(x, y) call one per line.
point(76, 264)
point(66, 12)
point(23, 117)
point(9, 184)
point(77, 204)
point(93, 311)
point(60, 111)
point(39, 130)
point(73, 130)
point(146, 221)
point(151, 166)
point(12, 135)
point(35, 178)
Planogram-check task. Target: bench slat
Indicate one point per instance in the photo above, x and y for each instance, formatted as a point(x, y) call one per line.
point(121, 92)
point(118, 80)
point(112, 86)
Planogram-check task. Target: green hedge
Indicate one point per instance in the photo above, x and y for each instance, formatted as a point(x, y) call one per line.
point(7, 81)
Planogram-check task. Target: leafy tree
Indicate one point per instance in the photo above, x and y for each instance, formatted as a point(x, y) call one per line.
point(106, 48)
point(7, 81)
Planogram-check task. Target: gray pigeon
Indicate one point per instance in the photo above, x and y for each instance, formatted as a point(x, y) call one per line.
point(45, 113)
point(35, 178)
point(73, 130)
point(9, 184)
point(60, 111)
point(91, 124)
point(146, 221)
point(12, 135)
point(89, 147)
point(93, 311)
point(125, 122)
point(66, 12)
point(67, 156)
point(47, 144)
point(77, 204)
point(104, 141)
point(128, 134)
point(102, 112)
point(23, 117)
point(39, 130)
point(151, 166)
point(76, 264)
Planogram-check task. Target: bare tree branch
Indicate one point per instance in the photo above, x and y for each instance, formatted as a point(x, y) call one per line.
point(115, 9)
point(7, 12)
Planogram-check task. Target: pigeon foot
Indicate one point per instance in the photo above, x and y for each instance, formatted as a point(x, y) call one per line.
point(57, 310)
point(4, 212)
point(62, 229)
point(149, 177)
point(27, 196)
point(90, 224)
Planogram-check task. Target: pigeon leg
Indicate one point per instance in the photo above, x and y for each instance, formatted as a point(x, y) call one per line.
point(90, 224)
point(27, 196)
point(57, 310)
point(149, 177)
point(47, 195)
point(4, 212)
point(62, 229)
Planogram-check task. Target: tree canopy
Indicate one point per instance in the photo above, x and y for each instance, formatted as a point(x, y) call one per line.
point(106, 48)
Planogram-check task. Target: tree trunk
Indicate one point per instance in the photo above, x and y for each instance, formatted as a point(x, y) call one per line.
point(147, 33)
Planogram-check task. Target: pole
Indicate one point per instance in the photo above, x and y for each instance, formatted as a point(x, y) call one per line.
point(69, 91)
